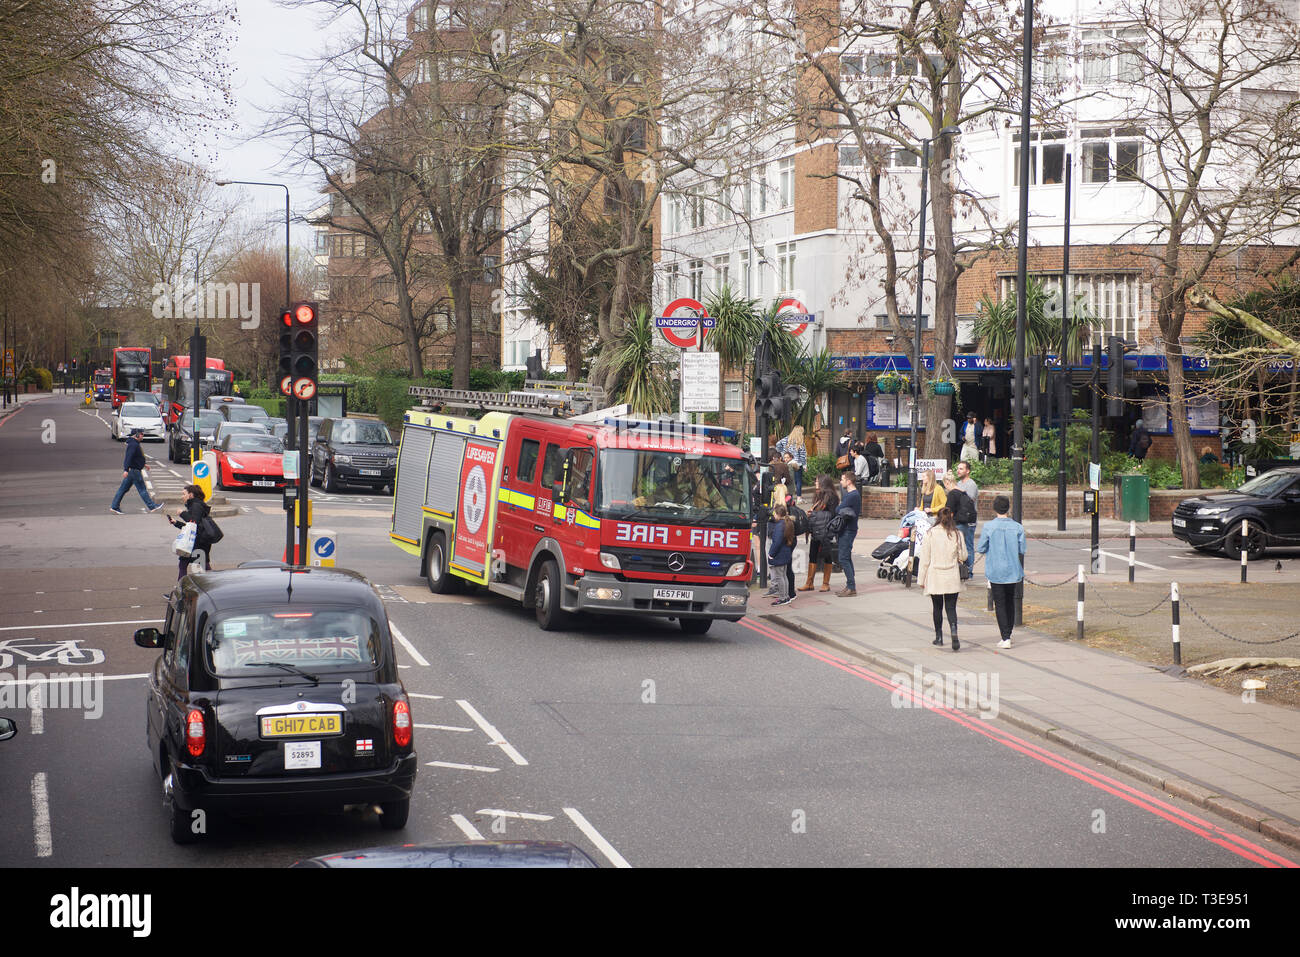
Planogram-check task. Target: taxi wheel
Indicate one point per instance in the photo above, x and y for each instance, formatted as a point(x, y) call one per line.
point(695, 626)
point(395, 814)
point(441, 582)
point(549, 588)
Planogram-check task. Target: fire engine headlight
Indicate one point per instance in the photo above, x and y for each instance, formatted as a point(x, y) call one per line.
point(605, 594)
point(735, 600)
point(609, 561)
point(737, 569)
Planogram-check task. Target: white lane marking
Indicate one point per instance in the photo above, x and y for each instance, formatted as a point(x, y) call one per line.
point(467, 828)
point(593, 835)
point(1124, 559)
point(84, 624)
point(521, 815)
point(410, 648)
point(41, 816)
point(491, 732)
point(38, 713)
point(12, 682)
point(459, 767)
point(443, 727)
point(430, 697)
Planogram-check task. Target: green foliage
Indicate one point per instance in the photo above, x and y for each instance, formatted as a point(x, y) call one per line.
point(995, 325)
point(816, 375)
point(900, 479)
point(274, 406)
point(993, 472)
point(737, 327)
point(1267, 445)
point(1213, 474)
point(1162, 473)
point(638, 367)
point(38, 376)
point(820, 465)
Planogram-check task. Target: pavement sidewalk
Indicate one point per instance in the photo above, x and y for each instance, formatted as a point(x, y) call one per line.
point(1239, 759)
point(22, 399)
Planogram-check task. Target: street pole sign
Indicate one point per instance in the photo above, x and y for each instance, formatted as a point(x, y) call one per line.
point(680, 331)
point(9, 364)
point(701, 381)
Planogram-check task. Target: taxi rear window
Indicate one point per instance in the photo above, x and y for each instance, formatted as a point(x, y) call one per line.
point(314, 639)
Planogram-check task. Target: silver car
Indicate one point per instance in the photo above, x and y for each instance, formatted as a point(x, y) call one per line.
point(138, 415)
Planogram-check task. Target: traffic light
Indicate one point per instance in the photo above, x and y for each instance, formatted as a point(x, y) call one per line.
point(1063, 396)
point(1034, 387)
point(791, 397)
point(769, 398)
point(299, 362)
point(1121, 376)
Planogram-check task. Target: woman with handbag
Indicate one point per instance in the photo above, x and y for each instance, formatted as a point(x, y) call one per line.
point(196, 510)
point(821, 548)
point(943, 550)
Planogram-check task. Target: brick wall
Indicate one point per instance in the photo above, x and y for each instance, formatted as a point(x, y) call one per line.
point(816, 189)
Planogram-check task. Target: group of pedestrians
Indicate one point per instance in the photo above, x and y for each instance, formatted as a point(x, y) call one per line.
point(196, 507)
point(832, 526)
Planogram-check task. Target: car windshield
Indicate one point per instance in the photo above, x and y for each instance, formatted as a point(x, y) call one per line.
point(207, 421)
point(146, 397)
point(663, 485)
point(1268, 485)
point(139, 410)
point(360, 432)
point(254, 443)
point(317, 639)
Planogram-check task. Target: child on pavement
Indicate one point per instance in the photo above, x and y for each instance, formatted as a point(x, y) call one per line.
point(780, 553)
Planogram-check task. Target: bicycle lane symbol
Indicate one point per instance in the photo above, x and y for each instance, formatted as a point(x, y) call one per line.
point(67, 651)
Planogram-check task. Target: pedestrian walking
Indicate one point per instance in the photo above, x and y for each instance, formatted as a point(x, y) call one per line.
point(942, 551)
point(970, 436)
point(990, 439)
point(1002, 542)
point(793, 444)
point(849, 508)
point(780, 553)
point(972, 492)
point(196, 510)
point(133, 466)
point(821, 543)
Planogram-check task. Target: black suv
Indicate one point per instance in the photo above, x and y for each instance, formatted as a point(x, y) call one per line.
point(1268, 504)
point(353, 452)
point(277, 690)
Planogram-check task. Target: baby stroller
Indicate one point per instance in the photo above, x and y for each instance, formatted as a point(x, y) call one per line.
point(892, 552)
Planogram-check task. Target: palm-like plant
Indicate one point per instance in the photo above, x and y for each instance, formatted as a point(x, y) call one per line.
point(736, 327)
point(783, 349)
point(995, 325)
point(816, 375)
point(639, 368)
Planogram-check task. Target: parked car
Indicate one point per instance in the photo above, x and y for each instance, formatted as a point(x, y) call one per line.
point(353, 452)
point(137, 415)
point(245, 460)
point(277, 691)
point(180, 437)
point(1269, 505)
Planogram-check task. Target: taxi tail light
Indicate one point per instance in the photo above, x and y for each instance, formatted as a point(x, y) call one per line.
point(196, 733)
point(401, 723)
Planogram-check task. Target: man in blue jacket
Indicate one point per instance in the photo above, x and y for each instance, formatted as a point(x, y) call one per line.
point(1003, 542)
point(850, 507)
point(133, 474)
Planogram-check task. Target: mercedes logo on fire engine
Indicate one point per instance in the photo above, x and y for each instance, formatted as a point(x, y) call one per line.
point(676, 562)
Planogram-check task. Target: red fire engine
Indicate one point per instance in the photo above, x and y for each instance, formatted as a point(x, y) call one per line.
point(612, 516)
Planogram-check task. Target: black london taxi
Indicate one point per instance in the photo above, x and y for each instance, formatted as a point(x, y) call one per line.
point(277, 691)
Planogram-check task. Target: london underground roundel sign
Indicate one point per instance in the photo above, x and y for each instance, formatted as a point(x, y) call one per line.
point(797, 307)
point(681, 333)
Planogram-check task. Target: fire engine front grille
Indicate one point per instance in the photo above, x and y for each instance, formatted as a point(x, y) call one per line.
point(652, 561)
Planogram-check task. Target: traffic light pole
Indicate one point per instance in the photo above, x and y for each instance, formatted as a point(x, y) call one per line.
point(291, 444)
point(303, 482)
point(1096, 453)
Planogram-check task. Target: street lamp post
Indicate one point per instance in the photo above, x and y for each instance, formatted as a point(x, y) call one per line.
point(916, 342)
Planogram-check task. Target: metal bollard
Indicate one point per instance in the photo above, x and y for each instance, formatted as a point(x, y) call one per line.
point(1245, 534)
point(1178, 648)
point(1132, 551)
point(1079, 616)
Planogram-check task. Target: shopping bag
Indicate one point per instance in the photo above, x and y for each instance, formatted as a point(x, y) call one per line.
point(184, 544)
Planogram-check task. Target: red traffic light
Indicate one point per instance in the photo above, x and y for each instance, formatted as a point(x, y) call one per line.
point(304, 313)
point(286, 318)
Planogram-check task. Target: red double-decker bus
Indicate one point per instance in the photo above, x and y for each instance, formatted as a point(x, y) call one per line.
point(178, 392)
point(131, 373)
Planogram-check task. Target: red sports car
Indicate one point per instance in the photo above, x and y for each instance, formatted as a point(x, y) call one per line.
point(245, 460)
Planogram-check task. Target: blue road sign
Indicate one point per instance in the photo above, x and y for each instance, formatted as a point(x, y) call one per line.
point(200, 469)
point(324, 547)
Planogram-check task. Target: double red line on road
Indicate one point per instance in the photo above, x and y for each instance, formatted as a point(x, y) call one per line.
point(1175, 815)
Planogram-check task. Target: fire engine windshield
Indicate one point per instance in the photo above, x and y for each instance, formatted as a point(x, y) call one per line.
point(666, 486)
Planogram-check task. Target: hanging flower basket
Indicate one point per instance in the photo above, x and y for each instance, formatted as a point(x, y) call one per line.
point(891, 382)
point(943, 387)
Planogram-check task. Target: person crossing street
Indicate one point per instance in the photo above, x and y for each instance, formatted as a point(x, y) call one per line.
point(133, 466)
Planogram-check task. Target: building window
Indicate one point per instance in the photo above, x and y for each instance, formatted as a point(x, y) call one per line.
point(721, 271)
point(734, 400)
point(671, 274)
point(760, 187)
point(421, 17)
point(785, 179)
point(490, 273)
point(347, 245)
point(785, 267)
point(1114, 298)
point(322, 243)
point(696, 274)
point(1111, 155)
point(1113, 56)
point(745, 275)
point(1046, 158)
point(696, 206)
point(635, 134)
point(424, 70)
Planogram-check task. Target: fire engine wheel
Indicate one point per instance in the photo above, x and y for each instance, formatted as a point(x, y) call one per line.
point(695, 626)
point(549, 588)
point(435, 567)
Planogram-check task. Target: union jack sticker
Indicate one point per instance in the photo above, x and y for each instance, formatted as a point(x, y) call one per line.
point(365, 745)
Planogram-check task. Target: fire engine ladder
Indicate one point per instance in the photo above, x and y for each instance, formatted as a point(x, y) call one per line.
point(489, 401)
